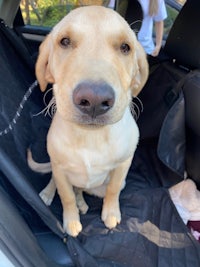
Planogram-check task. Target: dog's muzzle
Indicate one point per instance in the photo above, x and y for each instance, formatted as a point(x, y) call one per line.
point(93, 98)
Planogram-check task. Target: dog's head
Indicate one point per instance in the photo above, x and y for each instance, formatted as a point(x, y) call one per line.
point(95, 63)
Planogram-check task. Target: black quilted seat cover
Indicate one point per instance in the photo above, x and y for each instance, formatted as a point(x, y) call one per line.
point(151, 234)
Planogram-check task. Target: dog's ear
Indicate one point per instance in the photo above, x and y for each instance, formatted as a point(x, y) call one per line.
point(43, 72)
point(141, 75)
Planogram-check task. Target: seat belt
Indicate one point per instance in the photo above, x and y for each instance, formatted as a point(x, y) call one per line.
point(17, 44)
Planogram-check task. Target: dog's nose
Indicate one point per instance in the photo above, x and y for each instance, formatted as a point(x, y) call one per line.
point(93, 98)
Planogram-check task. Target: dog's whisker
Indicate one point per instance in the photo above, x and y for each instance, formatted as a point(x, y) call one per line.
point(135, 31)
point(134, 113)
point(51, 108)
point(140, 103)
point(46, 94)
point(51, 105)
point(48, 105)
point(132, 24)
point(136, 108)
point(138, 112)
point(39, 113)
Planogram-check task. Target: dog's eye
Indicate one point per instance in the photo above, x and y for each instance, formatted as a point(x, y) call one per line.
point(125, 48)
point(65, 42)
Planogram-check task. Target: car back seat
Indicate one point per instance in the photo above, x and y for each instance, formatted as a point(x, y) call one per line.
point(151, 232)
point(183, 46)
point(181, 52)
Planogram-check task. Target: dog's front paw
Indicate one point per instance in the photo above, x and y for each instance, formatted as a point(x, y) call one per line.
point(111, 217)
point(73, 228)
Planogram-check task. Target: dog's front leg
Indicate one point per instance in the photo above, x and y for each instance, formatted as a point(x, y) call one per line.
point(48, 193)
point(80, 201)
point(111, 214)
point(71, 219)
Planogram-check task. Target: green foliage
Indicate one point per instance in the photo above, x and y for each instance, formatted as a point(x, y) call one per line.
point(52, 14)
point(46, 12)
point(171, 16)
point(49, 12)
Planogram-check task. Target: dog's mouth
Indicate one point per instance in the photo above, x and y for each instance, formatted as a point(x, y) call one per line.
point(87, 121)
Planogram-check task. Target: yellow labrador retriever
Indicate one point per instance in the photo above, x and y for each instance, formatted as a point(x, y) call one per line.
point(96, 65)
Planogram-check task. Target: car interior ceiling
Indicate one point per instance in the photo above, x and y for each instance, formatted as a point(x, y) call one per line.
point(151, 232)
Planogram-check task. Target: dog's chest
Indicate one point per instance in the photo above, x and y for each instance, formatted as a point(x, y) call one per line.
point(90, 169)
point(87, 157)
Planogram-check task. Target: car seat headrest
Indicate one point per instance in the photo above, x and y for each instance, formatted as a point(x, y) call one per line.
point(183, 42)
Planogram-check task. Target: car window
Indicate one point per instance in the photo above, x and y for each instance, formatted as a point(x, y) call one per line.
point(173, 8)
point(49, 12)
point(171, 16)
